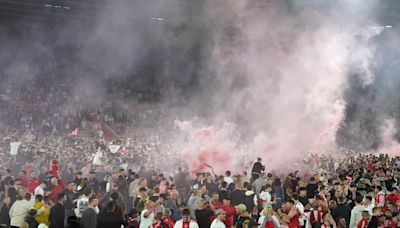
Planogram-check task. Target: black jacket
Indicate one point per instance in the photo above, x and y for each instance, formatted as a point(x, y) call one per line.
point(238, 197)
point(109, 220)
point(257, 168)
point(374, 222)
point(223, 194)
point(57, 215)
point(71, 196)
point(31, 222)
point(180, 180)
point(203, 217)
point(241, 221)
point(107, 197)
point(89, 218)
point(12, 193)
point(211, 187)
point(124, 192)
point(342, 211)
point(312, 189)
point(249, 202)
point(4, 214)
point(2, 186)
point(304, 200)
point(94, 184)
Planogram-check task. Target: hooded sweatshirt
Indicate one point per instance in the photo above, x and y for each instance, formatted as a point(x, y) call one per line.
point(356, 215)
point(250, 200)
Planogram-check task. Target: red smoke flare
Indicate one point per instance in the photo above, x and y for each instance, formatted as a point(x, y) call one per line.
point(205, 133)
point(211, 158)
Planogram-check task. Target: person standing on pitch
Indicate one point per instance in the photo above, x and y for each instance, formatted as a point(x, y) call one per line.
point(256, 170)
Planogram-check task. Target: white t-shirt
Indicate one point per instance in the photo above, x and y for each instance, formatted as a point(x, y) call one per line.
point(39, 191)
point(228, 180)
point(97, 158)
point(146, 222)
point(192, 224)
point(370, 207)
point(83, 204)
point(18, 212)
point(14, 147)
point(217, 224)
point(266, 197)
point(300, 208)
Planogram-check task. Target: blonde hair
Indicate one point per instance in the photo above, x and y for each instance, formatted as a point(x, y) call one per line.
point(268, 211)
point(174, 192)
point(24, 225)
point(150, 204)
point(141, 183)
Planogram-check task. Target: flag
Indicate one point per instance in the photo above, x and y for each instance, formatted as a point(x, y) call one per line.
point(122, 151)
point(75, 132)
point(108, 133)
point(114, 148)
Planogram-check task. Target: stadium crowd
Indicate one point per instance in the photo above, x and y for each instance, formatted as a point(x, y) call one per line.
point(360, 191)
point(51, 177)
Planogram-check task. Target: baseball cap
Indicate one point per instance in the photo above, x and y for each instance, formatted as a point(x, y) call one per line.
point(219, 211)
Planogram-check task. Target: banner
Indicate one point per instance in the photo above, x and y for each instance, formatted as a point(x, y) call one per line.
point(75, 132)
point(114, 148)
point(108, 133)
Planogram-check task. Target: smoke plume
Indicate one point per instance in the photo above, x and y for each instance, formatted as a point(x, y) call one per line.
point(278, 79)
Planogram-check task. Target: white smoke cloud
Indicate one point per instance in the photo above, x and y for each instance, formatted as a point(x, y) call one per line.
point(280, 77)
point(270, 75)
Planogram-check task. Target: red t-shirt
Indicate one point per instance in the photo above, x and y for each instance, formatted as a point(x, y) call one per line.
point(269, 224)
point(156, 225)
point(295, 221)
point(363, 223)
point(323, 202)
point(23, 180)
point(168, 220)
point(31, 184)
point(370, 166)
point(185, 224)
point(392, 223)
point(230, 214)
point(56, 190)
point(393, 197)
point(217, 204)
